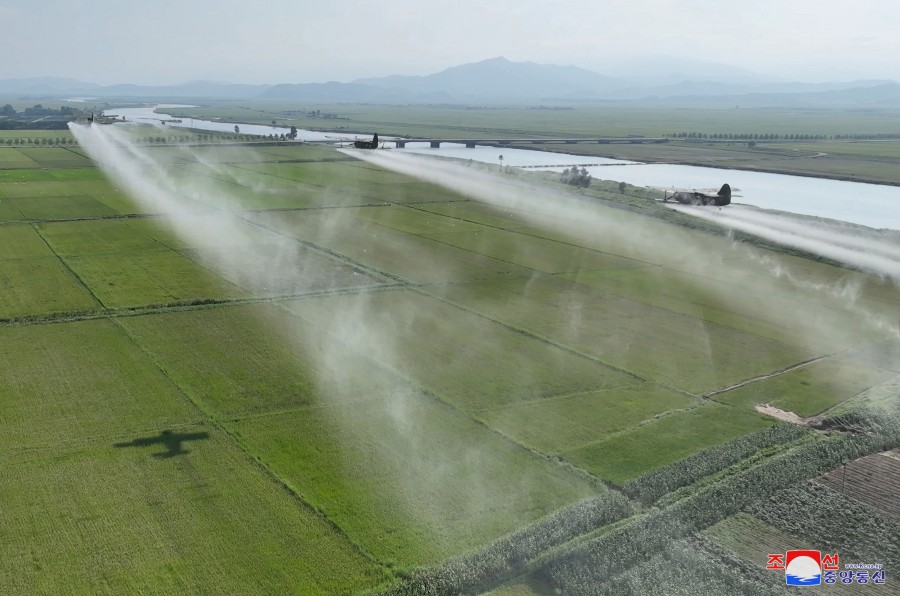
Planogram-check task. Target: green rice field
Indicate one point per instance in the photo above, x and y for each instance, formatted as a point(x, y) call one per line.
point(369, 375)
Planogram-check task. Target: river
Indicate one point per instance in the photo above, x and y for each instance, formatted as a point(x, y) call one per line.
point(873, 205)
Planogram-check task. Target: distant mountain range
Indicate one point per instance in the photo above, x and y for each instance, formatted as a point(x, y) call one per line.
point(499, 80)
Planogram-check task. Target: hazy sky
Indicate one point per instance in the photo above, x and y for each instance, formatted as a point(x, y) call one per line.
point(299, 41)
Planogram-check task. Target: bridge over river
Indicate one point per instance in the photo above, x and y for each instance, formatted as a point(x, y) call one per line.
point(470, 142)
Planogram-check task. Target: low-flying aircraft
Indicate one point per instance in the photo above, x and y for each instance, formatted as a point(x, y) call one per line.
point(694, 197)
point(98, 119)
point(373, 144)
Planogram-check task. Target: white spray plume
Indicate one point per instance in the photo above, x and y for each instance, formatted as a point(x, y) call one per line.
point(842, 244)
point(677, 250)
point(409, 444)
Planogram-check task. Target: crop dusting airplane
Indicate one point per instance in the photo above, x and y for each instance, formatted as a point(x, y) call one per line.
point(373, 144)
point(693, 197)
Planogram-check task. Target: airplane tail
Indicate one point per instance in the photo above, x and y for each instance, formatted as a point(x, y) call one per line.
point(724, 195)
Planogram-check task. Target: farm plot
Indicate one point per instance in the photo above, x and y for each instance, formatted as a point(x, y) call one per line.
point(107, 193)
point(827, 517)
point(873, 480)
point(507, 219)
point(752, 539)
point(414, 258)
point(465, 359)
point(50, 208)
point(9, 212)
point(63, 382)
point(414, 221)
point(49, 198)
point(32, 280)
point(765, 293)
point(37, 188)
point(79, 174)
point(15, 175)
point(39, 286)
point(55, 157)
point(355, 183)
point(106, 517)
point(532, 252)
point(21, 242)
point(124, 268)
point(117, 236)
point(263, 261)
point(662, 441)
point(808, 390)
point(150, 278)
point(676, 350)
point(245, 360)
point(757, 311)
point(15, 159)
point(255, 189)
point(884, 355)
point(408, 478)
point(296, 153)
point(557, 424)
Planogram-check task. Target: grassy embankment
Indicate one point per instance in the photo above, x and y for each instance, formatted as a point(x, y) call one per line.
point(825, 157)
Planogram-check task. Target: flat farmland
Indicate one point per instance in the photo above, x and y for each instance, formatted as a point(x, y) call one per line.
point(680, 351)
point(56, 157)
point(432, 342)
point(221, 357)
point(33, 280)
point(811, 389)
point(413, 482)
point(15, 159)
point(316, 376)
point(873, 480)
point(664, 440)
point(100, 518)
point(124, 268)
point(387, 249)
point(68, 381)
point(565, 422)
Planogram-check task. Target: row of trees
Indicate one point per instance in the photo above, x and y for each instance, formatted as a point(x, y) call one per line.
point(154, 140)
point(576, 177)
point(750, 136)
point(282, 137)
point(39, 141)
point(38, 110)
point(754, 136)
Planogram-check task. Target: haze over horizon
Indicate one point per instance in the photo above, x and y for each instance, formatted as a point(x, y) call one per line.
point(281, 41)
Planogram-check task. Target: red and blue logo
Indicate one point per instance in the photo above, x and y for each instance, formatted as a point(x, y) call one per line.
point(803, 567)
point(812, 568)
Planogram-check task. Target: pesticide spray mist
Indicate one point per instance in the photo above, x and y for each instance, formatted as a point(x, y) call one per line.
point(378, 431)
point(878, 252)
point(395, 441)
point(708, 266)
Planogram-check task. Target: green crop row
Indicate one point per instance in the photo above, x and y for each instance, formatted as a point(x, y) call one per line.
point(594, 563)
point(509, 555)
point(693, 567)
point(652, 486)
point(833, 522)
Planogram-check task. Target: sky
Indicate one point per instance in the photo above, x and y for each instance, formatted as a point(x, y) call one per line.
point(301, 41)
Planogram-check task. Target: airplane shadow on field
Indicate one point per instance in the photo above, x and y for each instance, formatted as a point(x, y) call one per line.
point(170, 440)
